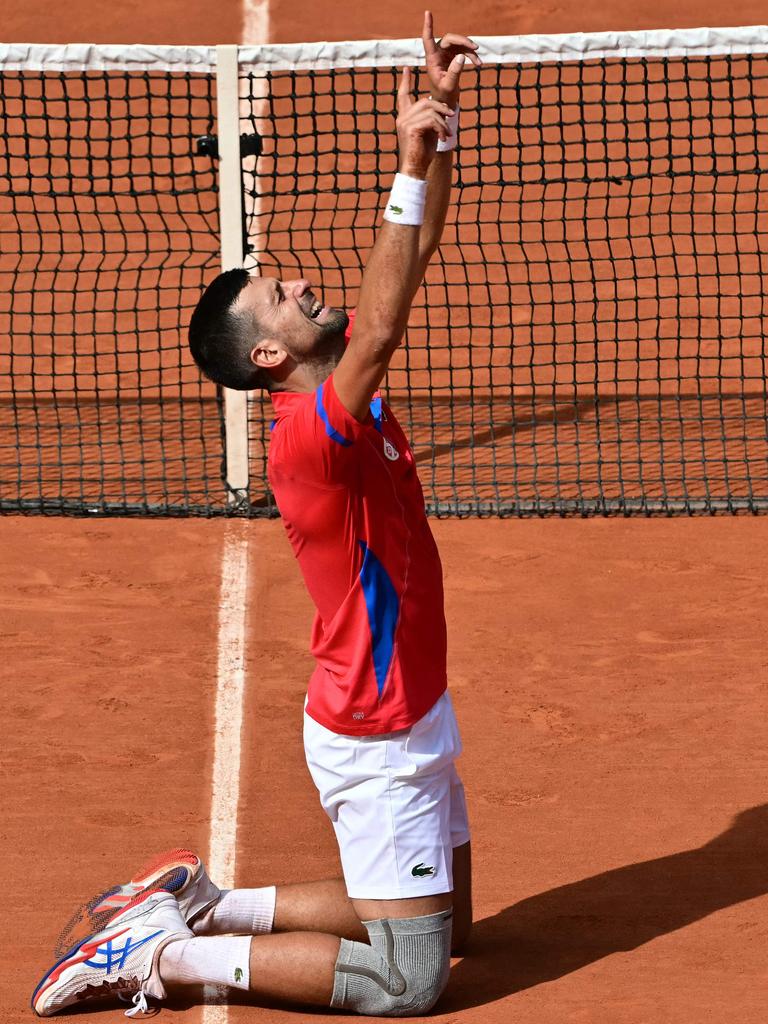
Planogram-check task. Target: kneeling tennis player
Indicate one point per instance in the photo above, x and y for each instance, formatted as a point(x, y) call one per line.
point(379, 731)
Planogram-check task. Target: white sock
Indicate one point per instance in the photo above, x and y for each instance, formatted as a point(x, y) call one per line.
point(224, 960)
point(239, 912)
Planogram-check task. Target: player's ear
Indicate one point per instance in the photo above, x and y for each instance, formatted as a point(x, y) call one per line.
point(268, 355)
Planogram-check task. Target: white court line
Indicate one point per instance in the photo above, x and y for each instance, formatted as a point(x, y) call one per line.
point(230, 691)
point(255, 22)
point(231, 662)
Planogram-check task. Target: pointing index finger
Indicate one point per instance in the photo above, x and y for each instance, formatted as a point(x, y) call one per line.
point(404, 91)
point(428, 35)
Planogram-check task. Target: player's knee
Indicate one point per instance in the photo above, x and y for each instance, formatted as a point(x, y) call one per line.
point(401, 974)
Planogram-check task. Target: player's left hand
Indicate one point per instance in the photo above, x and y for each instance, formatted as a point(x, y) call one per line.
point(443, 74)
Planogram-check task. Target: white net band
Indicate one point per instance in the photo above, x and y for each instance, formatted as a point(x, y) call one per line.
point(698, 42)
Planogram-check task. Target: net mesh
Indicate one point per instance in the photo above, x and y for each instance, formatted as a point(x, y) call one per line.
point(590, 337)
point(108, 230)
point(591, 334)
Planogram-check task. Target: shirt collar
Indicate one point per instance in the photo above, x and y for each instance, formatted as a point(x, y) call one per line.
point(284, 401)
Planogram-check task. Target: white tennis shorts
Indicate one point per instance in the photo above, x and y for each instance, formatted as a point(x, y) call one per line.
point(396, 803)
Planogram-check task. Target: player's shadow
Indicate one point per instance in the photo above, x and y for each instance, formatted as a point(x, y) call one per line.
point(554, 933)
point(566, 411)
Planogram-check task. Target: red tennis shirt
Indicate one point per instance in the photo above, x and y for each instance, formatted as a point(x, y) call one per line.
point(353, 509)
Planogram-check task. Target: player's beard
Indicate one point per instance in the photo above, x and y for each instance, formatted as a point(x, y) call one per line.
point(324, 349)
point(334, 324)
point(330, 343)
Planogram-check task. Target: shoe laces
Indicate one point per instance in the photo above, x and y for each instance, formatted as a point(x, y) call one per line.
point(141, 1007)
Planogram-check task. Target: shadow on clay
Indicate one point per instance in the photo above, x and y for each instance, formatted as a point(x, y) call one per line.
point(554, 933)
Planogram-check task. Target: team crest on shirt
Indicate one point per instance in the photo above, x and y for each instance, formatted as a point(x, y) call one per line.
point(390, 451)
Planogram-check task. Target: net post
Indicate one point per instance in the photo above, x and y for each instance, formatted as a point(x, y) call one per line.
point(232, 255)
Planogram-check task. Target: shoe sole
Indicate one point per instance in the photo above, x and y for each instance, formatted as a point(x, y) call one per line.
point(70, 958)
point(171, 871)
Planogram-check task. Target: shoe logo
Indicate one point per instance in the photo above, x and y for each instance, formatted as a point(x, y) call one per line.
point(420, 870)
point(238, 974)
point(390, 451)
point(115, 957)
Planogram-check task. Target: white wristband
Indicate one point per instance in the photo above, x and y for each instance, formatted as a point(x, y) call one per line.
point(453, 126)
point(406, 200)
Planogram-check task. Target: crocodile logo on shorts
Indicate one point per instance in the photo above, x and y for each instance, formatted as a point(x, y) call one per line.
point(238, 974)
point(420, 871)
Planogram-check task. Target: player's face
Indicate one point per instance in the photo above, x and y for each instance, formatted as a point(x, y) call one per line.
point(292, 314)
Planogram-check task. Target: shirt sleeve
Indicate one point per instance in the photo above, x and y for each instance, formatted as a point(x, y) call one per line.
point(339, 424)
point(322, 441)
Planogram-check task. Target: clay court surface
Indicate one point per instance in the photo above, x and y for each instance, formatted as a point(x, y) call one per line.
point(610, 680)
point(609, 677)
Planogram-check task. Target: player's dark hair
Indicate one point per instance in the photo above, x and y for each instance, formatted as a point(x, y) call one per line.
point(221, 339)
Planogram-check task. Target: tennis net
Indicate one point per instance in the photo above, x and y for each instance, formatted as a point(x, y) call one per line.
point(590, 337)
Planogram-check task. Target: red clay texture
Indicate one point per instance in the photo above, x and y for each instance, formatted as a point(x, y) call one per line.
point(609, 678)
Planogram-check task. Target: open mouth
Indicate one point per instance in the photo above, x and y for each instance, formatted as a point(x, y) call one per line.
point(310, 306)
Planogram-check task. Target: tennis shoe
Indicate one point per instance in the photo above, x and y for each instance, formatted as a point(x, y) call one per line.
point(178, 871)
point(119, 961)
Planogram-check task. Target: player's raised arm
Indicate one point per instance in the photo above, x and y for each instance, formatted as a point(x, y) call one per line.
point(440, 57)
point(392, 273)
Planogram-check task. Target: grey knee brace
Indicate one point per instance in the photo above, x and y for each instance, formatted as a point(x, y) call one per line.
point(401, 973)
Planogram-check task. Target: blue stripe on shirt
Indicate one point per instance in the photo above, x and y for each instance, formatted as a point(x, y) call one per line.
point(329, 429)
point(376, 411)
point(383, 606)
